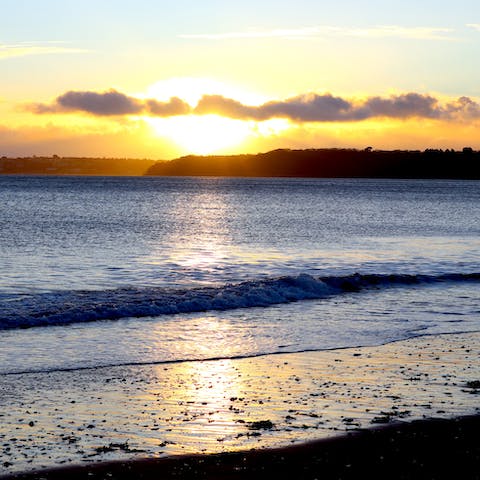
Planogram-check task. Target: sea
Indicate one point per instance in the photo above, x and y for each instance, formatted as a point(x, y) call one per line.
point(106, 271)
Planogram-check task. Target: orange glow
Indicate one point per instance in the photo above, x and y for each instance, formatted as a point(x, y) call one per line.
point(207, 134)
point(201, 134)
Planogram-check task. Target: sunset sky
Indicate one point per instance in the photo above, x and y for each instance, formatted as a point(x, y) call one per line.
point(158, 79)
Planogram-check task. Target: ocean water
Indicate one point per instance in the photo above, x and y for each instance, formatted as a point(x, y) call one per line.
point(100, 271)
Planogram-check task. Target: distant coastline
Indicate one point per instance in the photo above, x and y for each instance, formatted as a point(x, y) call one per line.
point(55, 165)
point(310, 163)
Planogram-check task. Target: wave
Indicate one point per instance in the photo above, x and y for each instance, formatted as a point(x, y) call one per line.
point(65, 307)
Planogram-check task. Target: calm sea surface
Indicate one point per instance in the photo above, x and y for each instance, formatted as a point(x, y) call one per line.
point(110, 271)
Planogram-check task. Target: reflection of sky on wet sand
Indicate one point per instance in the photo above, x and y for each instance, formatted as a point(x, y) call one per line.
point(209, 406)
point(202, 337)
point(202, 392)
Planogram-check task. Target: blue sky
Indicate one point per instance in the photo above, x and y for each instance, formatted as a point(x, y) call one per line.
point(113, 32)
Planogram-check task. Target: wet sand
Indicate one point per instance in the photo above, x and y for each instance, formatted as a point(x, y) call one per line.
point(423, 449)
point(89, 417)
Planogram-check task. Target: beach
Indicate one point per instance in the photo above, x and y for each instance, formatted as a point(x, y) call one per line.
point(122, 414)
point(421, 449)
point(204, 318)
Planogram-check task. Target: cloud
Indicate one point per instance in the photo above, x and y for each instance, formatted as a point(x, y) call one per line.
point(34, 48)
point(327, 108)
point(227, 107)
point(475, 26)
point(403, 106)
point(175, 106)
point(463, 107)
point(110, 103)
point(381, 31)
point(311, 107)
point(398, 31)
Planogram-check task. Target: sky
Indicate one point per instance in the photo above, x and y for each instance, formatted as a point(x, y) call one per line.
point(161, 79)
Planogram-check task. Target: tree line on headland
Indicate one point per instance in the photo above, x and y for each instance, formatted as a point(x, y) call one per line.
point(320, 163)
point(327, 163)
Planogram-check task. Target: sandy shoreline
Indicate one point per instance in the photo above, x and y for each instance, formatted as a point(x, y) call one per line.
point(92, 416)
point(426, 449)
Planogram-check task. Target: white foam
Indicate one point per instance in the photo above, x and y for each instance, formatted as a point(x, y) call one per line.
point(84, 306)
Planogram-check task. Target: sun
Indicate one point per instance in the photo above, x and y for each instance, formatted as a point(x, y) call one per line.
point(201, 135)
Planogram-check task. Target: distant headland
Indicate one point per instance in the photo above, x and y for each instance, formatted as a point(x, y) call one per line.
point(314, 163)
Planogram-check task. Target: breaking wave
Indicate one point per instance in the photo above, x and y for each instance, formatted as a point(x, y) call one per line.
point(65, 307)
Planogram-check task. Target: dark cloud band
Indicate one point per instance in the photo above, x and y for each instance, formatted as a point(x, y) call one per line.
point(303, 108)
point(111, 103)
